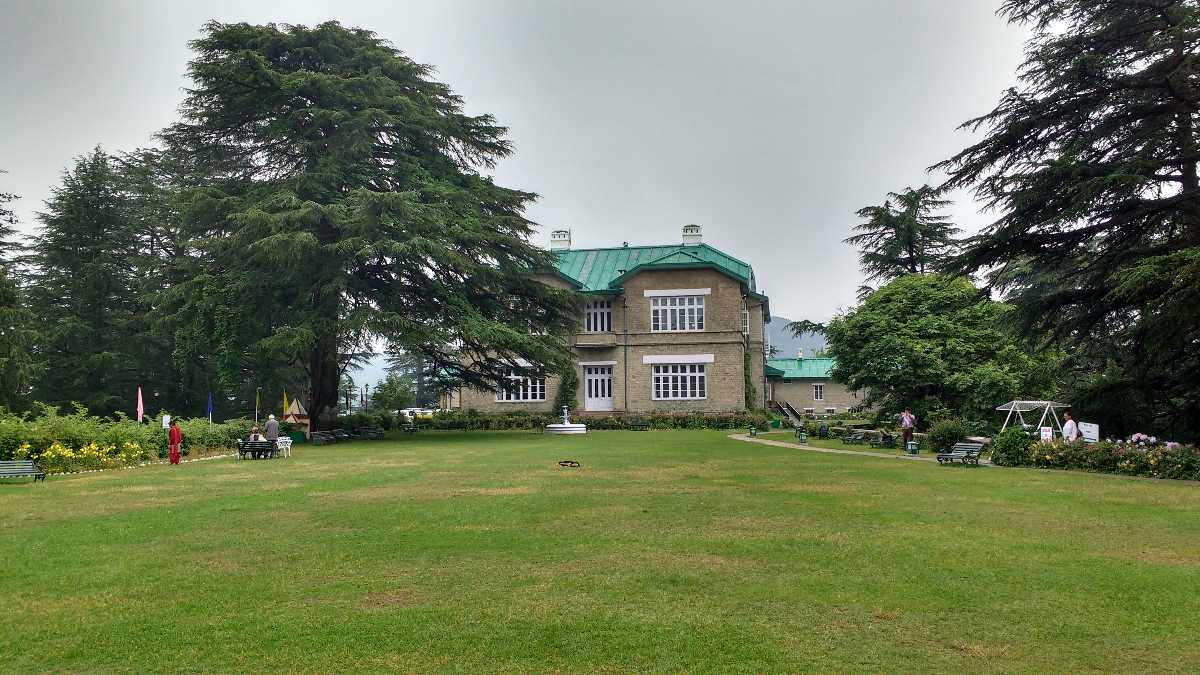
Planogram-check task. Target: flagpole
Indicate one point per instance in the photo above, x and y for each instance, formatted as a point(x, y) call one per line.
point(256, 393)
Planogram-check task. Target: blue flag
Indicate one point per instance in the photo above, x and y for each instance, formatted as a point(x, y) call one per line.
point(210, 406)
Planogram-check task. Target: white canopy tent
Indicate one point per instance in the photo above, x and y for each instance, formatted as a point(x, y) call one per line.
point(1019, 408)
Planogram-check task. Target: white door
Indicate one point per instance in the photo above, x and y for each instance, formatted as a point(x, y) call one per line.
point(597, 388)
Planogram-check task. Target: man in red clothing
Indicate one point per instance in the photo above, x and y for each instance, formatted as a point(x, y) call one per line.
point(174, 441)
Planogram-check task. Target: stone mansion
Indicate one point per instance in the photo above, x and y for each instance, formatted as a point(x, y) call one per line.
point(663, 329)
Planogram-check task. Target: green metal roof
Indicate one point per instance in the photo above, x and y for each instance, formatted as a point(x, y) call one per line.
point(600, 270)
point(818, 368)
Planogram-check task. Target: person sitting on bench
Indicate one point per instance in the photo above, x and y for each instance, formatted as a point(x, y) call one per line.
point(256, 435)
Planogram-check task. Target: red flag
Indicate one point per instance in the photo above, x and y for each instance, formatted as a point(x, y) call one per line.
point(141, 411)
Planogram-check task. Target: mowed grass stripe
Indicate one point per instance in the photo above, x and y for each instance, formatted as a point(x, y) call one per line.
point(665, 551)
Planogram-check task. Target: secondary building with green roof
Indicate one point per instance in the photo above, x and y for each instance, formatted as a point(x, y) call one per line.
point(806, 386)
point(666, 328)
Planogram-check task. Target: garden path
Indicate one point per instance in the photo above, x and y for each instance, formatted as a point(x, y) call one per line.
point(835, 451)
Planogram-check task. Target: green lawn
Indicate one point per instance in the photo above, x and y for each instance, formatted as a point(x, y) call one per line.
point(666, 551)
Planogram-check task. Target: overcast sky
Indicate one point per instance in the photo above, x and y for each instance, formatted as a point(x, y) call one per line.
point(768, 123)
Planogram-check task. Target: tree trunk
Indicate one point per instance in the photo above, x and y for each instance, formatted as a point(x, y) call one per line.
point(323, 382)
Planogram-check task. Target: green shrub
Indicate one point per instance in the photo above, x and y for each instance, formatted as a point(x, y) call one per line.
point(1155, 460)
point(384, 419)
point(1011, 447)
point(80, 441)
point(946, 433)
point(475, 421)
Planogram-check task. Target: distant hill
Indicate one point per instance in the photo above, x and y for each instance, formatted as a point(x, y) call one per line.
point(787, 344)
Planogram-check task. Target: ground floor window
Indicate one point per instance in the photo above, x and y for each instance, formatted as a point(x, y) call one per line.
point(680, 381)
point(520, 388)
point(831, 411)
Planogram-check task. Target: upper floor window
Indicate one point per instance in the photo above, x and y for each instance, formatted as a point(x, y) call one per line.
point(597, 316)
point(677, 313)
point(818, 392)
point(522, 388)
point(745, 322)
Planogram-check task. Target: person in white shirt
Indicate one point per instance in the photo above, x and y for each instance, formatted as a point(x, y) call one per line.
point(1070, 429)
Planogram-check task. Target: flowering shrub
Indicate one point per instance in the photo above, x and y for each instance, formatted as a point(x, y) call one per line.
point(1141, 455)
point(80, 442)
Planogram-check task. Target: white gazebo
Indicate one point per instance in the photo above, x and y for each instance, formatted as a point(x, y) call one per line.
point(1045, 408)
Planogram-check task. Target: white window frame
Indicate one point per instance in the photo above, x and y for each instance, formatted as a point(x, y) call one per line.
point(677, 314)
point(830, 410)
point(597, 316)
point(523, 389)
point(679, 382)
point(819, 391)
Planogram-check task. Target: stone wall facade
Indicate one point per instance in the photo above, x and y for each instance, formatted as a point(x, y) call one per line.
point(627, 348)
point(800, 394)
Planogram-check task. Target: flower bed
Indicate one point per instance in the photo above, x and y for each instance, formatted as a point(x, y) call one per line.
point(83, 442)
point(1141, 455)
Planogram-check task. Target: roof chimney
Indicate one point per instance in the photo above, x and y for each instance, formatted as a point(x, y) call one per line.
point(560, 240)
point(692, 235)
point(800, 354)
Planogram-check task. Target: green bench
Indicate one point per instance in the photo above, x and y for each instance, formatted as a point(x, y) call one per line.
point(369, 432)
point(967, 453)
point(855, 438)
point(21, 468)
point(638, 424)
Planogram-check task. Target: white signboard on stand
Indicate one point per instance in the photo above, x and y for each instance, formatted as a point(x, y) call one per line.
point(166, 421)
point(1091, 432)
point(1047, 433)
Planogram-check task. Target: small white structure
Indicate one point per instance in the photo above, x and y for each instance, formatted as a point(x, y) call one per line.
point(567, 427)
point(1046, 408)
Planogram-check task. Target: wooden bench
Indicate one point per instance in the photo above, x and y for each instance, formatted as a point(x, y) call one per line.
point(967, 453)
point(257, 449)
point(411, 428)
point(20, 468)
point(638, 424)
point(322, 437)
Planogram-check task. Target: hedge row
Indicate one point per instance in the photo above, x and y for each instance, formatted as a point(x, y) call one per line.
point(1131, 458)
point(472, 420)
point(81, 441)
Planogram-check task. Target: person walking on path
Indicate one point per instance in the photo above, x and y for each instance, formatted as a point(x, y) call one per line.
point(1070, 429)
point(907, 422)
point(272, 429)
point(174, 441)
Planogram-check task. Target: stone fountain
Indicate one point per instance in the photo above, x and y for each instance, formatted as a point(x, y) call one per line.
point(567, 427)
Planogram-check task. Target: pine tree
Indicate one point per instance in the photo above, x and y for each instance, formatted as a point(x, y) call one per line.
point(904, 235)
point(84, 294)
point(1092, 160)
point(7, 221)
point(17, 342)
point(343, 199)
